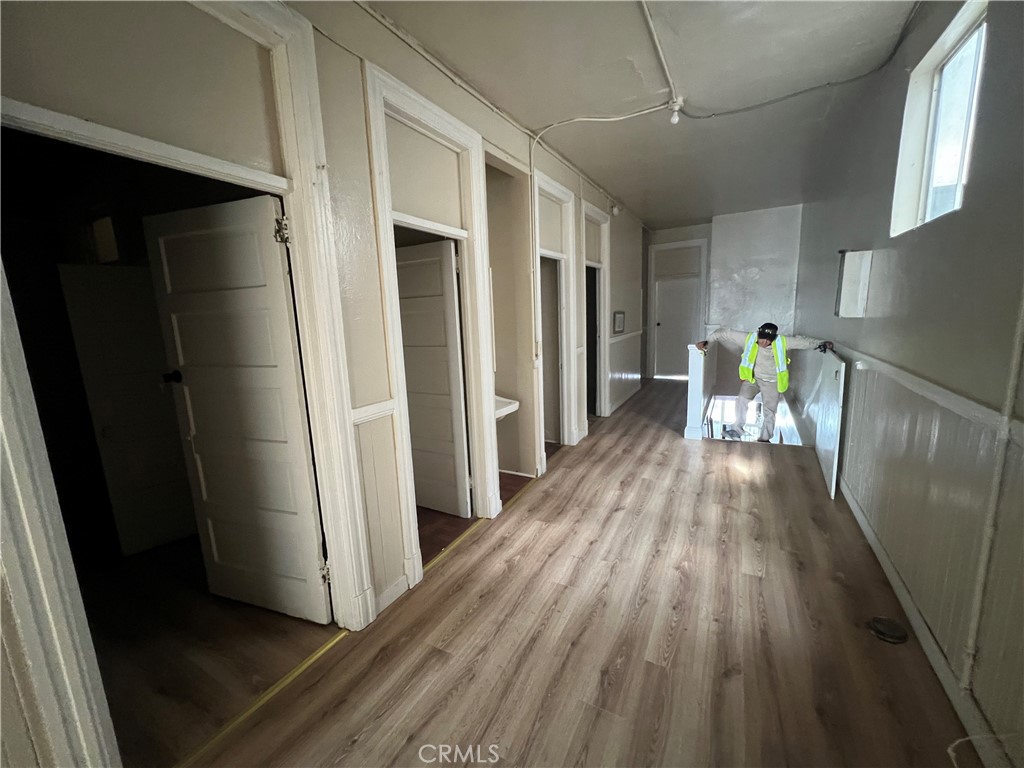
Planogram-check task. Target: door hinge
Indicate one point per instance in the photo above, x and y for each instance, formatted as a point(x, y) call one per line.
point(325, 573)
point(281, 230)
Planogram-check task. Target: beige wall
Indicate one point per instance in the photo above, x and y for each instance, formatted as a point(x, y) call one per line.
point(348, 168)
point(165, 71)
point(424, 175)
point(942, 305)
point(511, 253)
point(172, 73)
point(954, 283)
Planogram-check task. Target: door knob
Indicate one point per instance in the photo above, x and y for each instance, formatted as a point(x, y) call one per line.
point(173, 377)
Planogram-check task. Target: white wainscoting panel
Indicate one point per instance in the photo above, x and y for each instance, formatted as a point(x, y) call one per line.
point(624, 369)
point(999, 670)
point(921, 473)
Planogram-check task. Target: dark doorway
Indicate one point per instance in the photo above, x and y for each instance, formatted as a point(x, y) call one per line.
point(592, 333)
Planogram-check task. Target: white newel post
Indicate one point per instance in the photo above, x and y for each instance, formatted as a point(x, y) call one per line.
point(695, 395)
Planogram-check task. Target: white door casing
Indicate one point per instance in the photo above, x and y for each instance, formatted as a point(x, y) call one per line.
point(544, 185)
point(676, 324)
point(224, 295)
point(603, 220)
point(41, 578)
point(386, 96)
point(120, 350)
point(652, 272)
point(431, 335)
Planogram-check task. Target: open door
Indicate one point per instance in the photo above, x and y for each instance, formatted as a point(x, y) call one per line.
point(826, 409)
point(226, 312)
point(121, 353)
point(432, 340)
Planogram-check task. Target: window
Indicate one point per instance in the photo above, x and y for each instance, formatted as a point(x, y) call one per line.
point(938, 123)
point(955, 104)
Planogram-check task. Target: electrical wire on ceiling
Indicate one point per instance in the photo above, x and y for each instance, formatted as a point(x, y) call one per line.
point(708, 114)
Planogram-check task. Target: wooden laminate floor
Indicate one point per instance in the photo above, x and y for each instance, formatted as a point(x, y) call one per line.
point(650, 601)
point(177, 662)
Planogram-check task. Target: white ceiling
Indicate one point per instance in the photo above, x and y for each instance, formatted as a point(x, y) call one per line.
point(543, 62)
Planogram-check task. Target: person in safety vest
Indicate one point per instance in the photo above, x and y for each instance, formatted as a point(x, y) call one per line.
point(764, 366)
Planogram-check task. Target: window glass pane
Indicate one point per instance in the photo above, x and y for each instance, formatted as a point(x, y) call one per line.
point(953, 118)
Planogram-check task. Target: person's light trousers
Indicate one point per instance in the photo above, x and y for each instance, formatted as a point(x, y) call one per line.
point(769, 405)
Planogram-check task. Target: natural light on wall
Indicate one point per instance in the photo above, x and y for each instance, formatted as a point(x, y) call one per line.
point(938, 123)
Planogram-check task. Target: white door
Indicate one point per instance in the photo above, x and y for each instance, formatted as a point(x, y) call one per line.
point(431, 337)
point(827, 411)
point(120, 350)
point(225, 304)
point(677, 311)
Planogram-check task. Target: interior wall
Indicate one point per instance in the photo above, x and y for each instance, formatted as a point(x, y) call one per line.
point(424, 175)
point(158, 70)
point(942, 305)
point(753, 273)
point(927, 285)
point(511, 254)
point(626, 295)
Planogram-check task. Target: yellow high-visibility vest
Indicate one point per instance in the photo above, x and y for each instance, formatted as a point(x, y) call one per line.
point(778, 352)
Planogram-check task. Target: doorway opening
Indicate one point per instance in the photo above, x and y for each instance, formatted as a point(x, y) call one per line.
point(593, 341)
point(94, 330)
point(430, 305)
point(551, 312)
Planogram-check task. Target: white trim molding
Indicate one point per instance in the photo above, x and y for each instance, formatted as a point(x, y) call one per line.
point(592, 213)
point(431, 227)
point(566, 260)
point(74, 130)
point(387, 96)
point(967, 709)
point(652, 320)
point(625, 336)
point(44, 594)
point(47, 622)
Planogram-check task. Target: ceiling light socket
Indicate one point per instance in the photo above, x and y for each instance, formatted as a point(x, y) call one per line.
point(675, 105)
point(616, 210)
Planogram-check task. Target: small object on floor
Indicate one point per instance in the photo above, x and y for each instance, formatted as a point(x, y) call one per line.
point(889, 630)
point(731, 433)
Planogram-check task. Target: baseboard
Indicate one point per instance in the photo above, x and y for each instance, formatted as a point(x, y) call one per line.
point(623, 401)
point(967, 709)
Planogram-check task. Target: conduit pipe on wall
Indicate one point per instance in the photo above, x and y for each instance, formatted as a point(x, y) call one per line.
point(992, 509)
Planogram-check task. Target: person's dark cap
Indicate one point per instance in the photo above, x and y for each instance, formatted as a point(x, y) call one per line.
point(768, 331)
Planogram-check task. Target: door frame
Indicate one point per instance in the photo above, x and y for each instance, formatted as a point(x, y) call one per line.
point(604, 221)
point(47, 610)
point(386, 96)
point(544, 185)
point(652, 315)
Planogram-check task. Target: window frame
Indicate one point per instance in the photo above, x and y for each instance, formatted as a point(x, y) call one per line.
point(914, 166)
point(972, 115)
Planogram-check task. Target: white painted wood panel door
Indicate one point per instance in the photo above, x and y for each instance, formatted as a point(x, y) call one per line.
point(432, 342)
point(121, 353)
point(826, 409)
point(676, 313)
point(225, 304)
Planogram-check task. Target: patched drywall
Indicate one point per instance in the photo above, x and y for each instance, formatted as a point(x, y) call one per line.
point(754, 268)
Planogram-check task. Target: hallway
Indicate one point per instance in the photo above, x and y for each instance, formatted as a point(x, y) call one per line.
point(651, 601)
